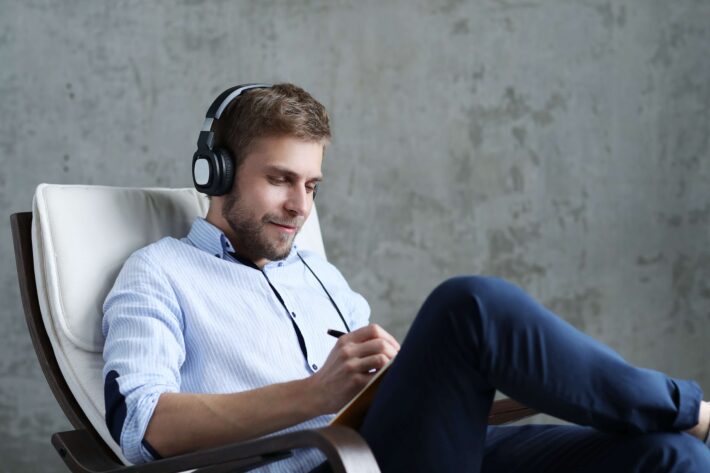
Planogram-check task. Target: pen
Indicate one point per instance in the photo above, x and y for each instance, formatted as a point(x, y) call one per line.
point(335, 333)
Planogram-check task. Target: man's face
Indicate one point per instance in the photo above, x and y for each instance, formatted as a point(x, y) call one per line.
point(272, 197)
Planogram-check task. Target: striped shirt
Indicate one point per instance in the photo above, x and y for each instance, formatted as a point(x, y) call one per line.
point(186, 316)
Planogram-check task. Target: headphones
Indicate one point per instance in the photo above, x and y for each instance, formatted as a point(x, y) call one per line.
point(213, 168)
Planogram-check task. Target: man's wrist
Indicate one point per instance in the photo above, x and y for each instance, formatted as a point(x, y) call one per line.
point(312, 400)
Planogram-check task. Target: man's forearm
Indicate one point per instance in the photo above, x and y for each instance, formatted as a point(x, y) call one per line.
point(184, 422)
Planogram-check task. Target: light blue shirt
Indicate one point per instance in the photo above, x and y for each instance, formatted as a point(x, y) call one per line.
point(185, 316)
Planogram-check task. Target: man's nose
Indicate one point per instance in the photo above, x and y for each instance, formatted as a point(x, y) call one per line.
point(298, 201)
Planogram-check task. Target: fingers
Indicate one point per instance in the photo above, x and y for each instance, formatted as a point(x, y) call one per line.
point(373, 362)
point(377, 346)
point(366, 349)
point(362, 368)
point(370, 332)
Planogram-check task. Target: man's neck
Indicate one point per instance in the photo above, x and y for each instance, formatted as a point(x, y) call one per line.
point(218, 221)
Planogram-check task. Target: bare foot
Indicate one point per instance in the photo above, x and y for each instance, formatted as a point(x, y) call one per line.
point(701, 429)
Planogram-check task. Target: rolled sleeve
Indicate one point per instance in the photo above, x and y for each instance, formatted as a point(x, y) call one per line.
point(689, 395)
point(143, 352)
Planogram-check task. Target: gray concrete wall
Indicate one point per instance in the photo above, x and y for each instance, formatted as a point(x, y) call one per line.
point(560, 144)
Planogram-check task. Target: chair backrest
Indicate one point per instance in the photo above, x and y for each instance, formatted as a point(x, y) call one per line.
point(81, 235)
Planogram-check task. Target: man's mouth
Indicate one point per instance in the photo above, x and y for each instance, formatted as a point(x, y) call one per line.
point(284, 227)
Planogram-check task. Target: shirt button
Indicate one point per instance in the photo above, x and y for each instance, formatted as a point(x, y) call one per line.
point(314, 366)
point(293, 314)
point(280, 264)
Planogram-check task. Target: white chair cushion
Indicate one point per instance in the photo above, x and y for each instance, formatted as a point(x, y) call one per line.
point(81, 235)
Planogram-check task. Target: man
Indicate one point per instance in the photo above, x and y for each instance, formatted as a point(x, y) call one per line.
point(222, 337)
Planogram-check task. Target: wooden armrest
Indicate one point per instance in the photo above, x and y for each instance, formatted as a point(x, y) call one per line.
point(343, 447)
point(508, 410)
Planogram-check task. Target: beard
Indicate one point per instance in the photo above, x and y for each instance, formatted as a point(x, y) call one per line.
point(252, 239)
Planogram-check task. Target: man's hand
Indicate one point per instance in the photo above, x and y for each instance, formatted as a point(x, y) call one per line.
point(184, 422)
point(347, 369)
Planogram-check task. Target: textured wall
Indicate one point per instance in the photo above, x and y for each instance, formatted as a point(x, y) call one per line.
point(559, 144)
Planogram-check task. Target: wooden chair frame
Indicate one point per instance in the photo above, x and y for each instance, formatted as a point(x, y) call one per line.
point(84, 451)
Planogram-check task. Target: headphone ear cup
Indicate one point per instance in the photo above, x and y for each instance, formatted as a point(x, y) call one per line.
point(226, 177)
point(204, 171)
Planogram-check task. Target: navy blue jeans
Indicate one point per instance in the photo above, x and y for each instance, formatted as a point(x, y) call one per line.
point(474, 335)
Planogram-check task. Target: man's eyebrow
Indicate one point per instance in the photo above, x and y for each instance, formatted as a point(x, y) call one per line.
point(289, 173)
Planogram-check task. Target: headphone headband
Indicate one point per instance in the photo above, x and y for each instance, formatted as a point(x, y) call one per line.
point(224, 99)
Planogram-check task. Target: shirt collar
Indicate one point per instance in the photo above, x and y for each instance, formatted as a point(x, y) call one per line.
point(206, 237)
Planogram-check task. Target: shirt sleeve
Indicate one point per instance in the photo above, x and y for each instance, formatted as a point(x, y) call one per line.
point(143, 351)
point(359, 311)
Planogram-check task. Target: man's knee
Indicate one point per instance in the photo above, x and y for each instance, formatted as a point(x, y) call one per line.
point(459, 287)
point(464, 300)
point(672, 453)
point(481, 293)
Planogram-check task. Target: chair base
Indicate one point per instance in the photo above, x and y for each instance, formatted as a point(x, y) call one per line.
point(344, 449)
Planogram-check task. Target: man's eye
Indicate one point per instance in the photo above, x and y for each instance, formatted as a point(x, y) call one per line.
point(277, 180)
